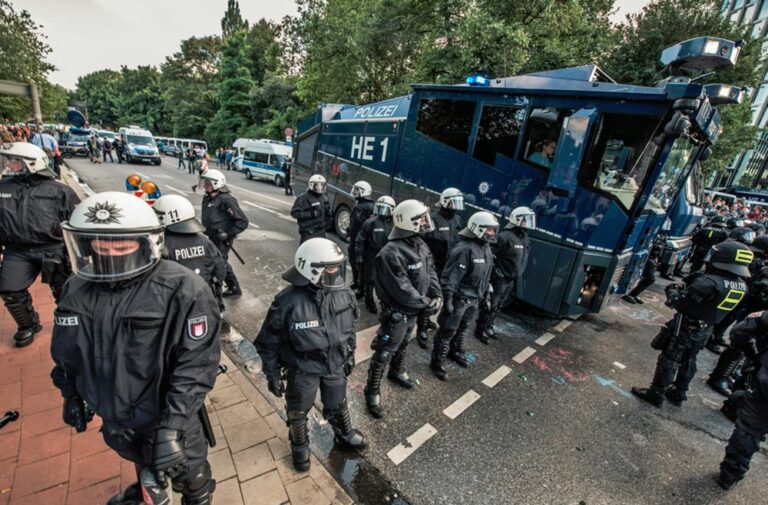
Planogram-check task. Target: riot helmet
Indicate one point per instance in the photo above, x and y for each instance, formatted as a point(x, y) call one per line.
point(319, 262)
point(451, 198)
point(316, 184)
point(743, 235)
point(362, 189)
point(177, 214)
point(481, 225)
point(718, 222)
point(214, 178)
point(735, 222)
point(522, 217)
point(756, 227)
point(384, 206)
point(22, 158)
point(411, 217)
point(112, 236)
point(760, 245)
point(731, 256)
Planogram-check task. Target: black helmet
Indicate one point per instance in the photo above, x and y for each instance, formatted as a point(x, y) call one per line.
point(760, 244)
point(735, 222)
point(756, 227)
point(718, 221)
point(731, 256)
point(744, 235)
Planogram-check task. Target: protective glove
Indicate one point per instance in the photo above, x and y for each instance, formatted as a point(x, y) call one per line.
point(448, 306)
point(168, 456)
point(76, 413)
point(222, 236)
point(349, 364)
point(276, 386)
point(434, 305)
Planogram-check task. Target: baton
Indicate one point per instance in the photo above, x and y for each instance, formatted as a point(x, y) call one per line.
point(240, 258)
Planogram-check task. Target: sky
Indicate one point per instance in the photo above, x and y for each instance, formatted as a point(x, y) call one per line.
point(90, 35)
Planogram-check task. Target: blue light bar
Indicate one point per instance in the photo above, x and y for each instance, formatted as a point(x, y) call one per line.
point(478, 80)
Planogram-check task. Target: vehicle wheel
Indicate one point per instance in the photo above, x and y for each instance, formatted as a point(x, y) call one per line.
point(341, 222)
point(248, 175)
point(157, 162)
point(279, 181)
point(128, 158)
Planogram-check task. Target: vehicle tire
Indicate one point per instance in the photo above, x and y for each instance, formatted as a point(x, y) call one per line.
point(341, 222)
point(248, 175)
point(279, 182)
point(157, 162)
point(128, 158)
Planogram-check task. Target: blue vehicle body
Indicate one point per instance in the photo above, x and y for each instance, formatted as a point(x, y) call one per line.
point(684, 217)
point(621, 158)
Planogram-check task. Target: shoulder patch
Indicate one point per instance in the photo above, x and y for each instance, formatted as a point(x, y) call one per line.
point(197, 327)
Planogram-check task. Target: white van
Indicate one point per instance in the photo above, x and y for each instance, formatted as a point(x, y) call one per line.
point(264, 159)
point(139, 145)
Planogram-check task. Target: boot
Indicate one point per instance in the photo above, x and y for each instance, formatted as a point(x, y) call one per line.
point(373, 386)
point(720, 378)
point(342, 428)
point(233, 291)
point(27, 320)
point(297, 434)
point(456, 349)
point(397, 373)
point(716, 343)
point(653, 396)
point(439, 353)
point(422, 328)
point(129, 496)
point(204, 495)
point(676, 396)
point(370, 303)
point(484, 331)
point(726, 480)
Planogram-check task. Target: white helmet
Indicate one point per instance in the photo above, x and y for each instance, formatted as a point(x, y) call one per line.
point(411, 217)
point(318, 261)
point(177, 214)
point(216, 177)
point(22, 158)
point(523, 217)
point(361, 189)
point(451, 198)
point(112, 236)
point(384, 206)
point(482, 225)
point(317, 183)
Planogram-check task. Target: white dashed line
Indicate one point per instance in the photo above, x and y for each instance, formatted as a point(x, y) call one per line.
point(177, 190)
point(254, 226)
point(524, 355)
point(544, 339)
point(562, 325)
point(262, 195)
point(456, 408)
point(496, 376)
point(619, 365)
point(399, 453)
point(271, 211)
point(143, 176)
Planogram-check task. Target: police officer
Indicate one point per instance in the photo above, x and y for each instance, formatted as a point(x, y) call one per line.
point(372, 237)
point(136, 340)
point(447, 223)
point(312, 211)
point(185, 244)
point(648, 277)
point(464, 282)
point(752, 421)
point(705, 238)
point(32, 207)
point(309, 333)
point(223, 220)
point(406, 283)
point(703, 302)
point(363, 209)
point(510, 257)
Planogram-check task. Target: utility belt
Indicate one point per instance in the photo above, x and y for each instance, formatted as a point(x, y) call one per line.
point(390, 316)
point(314, 355)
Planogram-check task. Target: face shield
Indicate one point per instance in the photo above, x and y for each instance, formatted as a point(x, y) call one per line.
point(455, 202)
point(112, 257)
point(334, 275)
point(488, 233)
point(357, 191)
point(382, 209)
point(527, 221)
point(749, 236)
point(423, 224)
point(317, 186)
point(12, 166)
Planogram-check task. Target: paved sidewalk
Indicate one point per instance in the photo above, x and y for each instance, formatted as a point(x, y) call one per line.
point(45, 462)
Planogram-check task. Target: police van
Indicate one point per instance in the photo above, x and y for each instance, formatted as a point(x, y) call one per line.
point(264, 159)
point(139, 145)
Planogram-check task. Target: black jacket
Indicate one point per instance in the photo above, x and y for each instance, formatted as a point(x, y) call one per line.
point(373, 236)
point(510, 253)
point(404, 275)
point(197, 253)
point(308, 329)
point(222, 213)
point(142, 353)
point(32, 209)
point(468, 271)
point(312, 212)
point(752, 333)
point(706, 237)
point(710, 296)
point(362, 211)
point(445, 235)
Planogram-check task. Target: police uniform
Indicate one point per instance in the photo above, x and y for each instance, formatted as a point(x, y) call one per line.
point(752, 421)
point(142, 353)
point(705, 300)
point(32, 208)
point(197, 253)
point(222, 213)
point(373, 236)
point(360, 213)
point(510, 258)
point(465, 281)
point(445, 235)
point(312, 212)
point(702, 242)
point(406, 280)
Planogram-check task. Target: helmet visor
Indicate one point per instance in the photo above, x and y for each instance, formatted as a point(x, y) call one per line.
point(423, 223)
point(318, 186)
point(12, 166)
point(489, 233)
point(111, 257)
point(334, 276)
point(357, 191)
point(526, 221)
point(455, 202)
point(382, 209)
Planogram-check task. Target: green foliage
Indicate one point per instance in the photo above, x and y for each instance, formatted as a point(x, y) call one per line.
point(232, 21)
point(101, 92)
point(263, 49)
point(141, 102)
point(274, 107)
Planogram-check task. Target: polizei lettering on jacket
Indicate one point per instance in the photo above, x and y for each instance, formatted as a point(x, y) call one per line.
point(67, 321)
point(189, 252)
point(414, 266)
point(305, 325)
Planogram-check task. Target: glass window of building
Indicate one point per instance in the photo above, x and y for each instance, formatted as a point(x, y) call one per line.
point(749, 13)
point(762, 92)
point(726, 4)
point(757, 28)
point(738, 4)
point(736, 16)
point(447, 121)
point(543, 130)
point(763, 122)
point(498, 132)
point(763, 10)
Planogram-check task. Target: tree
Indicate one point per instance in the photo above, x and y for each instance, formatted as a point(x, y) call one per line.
point(53, 102)
point(141, 101)
point(263, 49)
point(234, 114)
point(100, 91)
point(232, 21)
point(274, 106)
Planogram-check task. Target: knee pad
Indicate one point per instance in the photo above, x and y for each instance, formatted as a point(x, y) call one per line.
point(381, 357)
point(17, 297)
point(296, 415)
point(197, 481)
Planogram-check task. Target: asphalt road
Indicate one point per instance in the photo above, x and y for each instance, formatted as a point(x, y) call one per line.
point(543, 416)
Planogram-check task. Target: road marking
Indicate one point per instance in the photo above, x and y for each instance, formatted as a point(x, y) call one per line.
point(544, 339)
point(290, 204)
point(456, 408)
point(524, 355)
point(496, 376)
point(177, 190)
point(562, 325)
point(619, 365)
point(399, 453)
point(255, 226)
point(143, 176)
point(271, 211)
